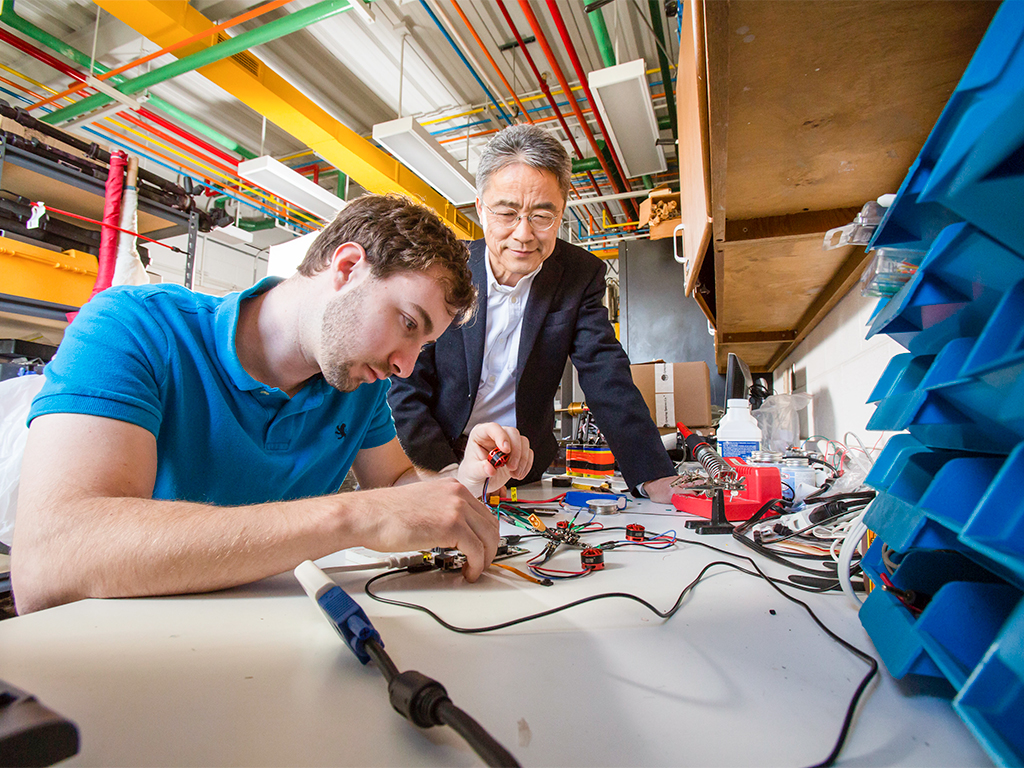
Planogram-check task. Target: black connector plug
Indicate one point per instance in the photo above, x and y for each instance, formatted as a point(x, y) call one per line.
point(415, 697)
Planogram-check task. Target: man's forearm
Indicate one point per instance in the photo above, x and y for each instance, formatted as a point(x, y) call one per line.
point(124, 547)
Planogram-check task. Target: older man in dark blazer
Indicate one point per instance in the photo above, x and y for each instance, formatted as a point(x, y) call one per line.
point(540, 303)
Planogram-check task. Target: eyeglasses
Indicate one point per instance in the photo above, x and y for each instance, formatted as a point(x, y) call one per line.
point(541, 221)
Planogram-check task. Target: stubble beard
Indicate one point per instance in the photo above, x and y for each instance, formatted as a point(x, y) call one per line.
point(340, 325)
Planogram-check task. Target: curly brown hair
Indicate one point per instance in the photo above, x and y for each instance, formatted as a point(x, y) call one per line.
point(398, 235)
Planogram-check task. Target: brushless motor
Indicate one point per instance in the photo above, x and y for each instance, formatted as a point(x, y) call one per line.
point(634, 532)
point(592, 559)
point(497, 458)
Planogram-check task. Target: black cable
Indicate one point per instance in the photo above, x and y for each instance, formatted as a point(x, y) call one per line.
point(382, 659)
point(424, 702)
point(774, 583)
point(489, 750)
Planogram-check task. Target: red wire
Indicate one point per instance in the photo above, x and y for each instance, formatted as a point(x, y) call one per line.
point(112, 226)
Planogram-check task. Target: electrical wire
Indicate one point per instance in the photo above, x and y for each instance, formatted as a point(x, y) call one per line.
point(757, 572)
point(428, 705)
point(850, 544)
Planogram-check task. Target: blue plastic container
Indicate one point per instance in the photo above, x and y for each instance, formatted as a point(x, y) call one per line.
point(978, 171)
point(992, 701)
point(996, 528)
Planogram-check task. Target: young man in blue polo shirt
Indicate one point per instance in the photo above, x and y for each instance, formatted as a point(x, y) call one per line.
point(186, 443)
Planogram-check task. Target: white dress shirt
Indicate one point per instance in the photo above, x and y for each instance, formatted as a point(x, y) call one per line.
point(496, 392)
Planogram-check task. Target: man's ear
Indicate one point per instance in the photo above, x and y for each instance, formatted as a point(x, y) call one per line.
point(479, 209)
point(348, 264)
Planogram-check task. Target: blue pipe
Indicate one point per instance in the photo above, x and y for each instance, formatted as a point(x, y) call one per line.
point(464, 61)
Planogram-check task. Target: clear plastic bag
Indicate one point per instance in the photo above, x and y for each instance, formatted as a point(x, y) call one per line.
point(15, 399)
point(779, 421)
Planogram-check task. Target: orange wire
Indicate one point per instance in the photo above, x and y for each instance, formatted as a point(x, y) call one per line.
point(173, 47)
point(480, 42)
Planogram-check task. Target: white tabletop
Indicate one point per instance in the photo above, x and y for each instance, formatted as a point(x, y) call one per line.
point(256, 676)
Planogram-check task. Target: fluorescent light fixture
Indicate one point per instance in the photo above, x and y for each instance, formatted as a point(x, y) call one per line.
point(230, 233)
point(278, 179)
point(363, 10)
point(624, 100)
point(409, 142)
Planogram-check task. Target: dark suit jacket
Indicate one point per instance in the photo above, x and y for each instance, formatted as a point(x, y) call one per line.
point(564, 318)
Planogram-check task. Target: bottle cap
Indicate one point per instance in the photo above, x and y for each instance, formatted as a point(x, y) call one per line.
point(737, 403)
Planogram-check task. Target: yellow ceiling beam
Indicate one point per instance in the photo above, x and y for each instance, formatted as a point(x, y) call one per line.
point(252, 82)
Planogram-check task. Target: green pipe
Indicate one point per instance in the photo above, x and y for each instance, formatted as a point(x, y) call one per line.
point(664, 123)
point(256, 225)
point(648, 182)
point(254, 37)
point(666, 73)
point(604, 44)
point(586, 164)
point(9, 17)
point(342, 183)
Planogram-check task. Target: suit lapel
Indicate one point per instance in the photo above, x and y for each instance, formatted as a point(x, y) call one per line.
point(474, 333)
point(541, 293)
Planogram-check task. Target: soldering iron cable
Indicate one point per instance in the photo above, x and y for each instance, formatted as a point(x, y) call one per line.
point(413, 695)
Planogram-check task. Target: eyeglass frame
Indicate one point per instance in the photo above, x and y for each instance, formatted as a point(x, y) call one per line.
point(528, 217)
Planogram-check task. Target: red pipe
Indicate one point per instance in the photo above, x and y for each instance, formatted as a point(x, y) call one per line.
point(46, 58)
point(550, 97)
point(65, 69)
point(571, 50)
point(531, 18)
point(127, 116)
point(111, 219)
point(167, 124)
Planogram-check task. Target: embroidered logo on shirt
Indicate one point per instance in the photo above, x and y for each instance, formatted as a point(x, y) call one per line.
point(339, 431)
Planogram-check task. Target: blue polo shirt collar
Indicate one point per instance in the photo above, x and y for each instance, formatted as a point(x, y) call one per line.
point(226, 331)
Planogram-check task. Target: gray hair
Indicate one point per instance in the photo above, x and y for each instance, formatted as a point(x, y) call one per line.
point(529, 145)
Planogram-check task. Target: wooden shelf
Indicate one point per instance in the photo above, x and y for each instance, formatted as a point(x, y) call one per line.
point(802, 111)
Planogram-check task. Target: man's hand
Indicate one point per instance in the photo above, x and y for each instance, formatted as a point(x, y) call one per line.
point(476, 467)
point(661, 490)
point(437, 513)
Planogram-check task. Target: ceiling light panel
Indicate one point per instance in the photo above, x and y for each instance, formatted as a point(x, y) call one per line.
point(410, 142)
point(624, 100)
point(278, 179)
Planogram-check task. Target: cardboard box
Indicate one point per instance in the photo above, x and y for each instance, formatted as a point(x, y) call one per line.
point(661, 229)
point(675, 392)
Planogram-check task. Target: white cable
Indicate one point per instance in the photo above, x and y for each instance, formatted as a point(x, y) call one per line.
point(850, 544)
point(392, 561)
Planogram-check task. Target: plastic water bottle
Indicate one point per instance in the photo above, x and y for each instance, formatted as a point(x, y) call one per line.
point(738, 434)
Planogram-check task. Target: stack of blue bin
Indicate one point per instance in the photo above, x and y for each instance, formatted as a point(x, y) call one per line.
point(948, 558)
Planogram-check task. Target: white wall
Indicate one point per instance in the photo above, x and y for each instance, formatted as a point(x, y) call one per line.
point(838, 367)
point(219, 268)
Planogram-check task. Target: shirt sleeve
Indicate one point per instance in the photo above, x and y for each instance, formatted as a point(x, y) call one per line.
point(111, 363)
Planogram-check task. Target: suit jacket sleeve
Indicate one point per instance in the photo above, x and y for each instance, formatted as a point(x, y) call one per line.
point(413, 403)
point(618, 407)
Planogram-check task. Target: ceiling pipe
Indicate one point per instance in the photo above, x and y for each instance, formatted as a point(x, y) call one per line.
point(570, 49)
point(494, 64)
point(168, 125)
point(9, 17)
point(92, 149)
point(254, 84)
point(469, 66)
point(666, 73)
point(604, 43)
point(272, 30)
point(548, 95)
point(112, 73)
point(531, 18)
point(465, 48)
